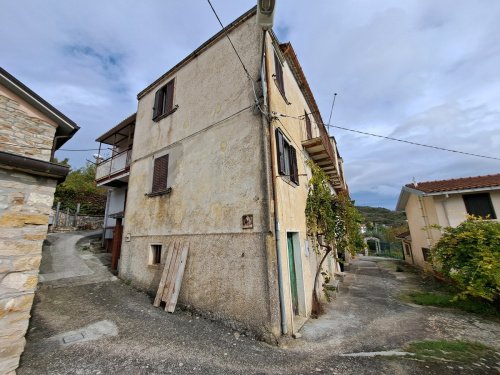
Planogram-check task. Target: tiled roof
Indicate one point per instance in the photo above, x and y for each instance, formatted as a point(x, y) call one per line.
point(457, 184)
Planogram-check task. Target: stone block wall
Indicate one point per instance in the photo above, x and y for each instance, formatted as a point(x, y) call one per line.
point(25, 204)
point(22, 134)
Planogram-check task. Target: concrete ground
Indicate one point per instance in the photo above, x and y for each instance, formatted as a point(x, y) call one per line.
point(85, 325)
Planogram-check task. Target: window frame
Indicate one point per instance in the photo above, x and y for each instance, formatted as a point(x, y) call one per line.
point(287, 158)
point(164, 101)
point(155, 254)
point(469, 208)
point(278, 76)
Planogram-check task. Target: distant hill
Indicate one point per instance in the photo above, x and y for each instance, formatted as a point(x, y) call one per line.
point(382, 215)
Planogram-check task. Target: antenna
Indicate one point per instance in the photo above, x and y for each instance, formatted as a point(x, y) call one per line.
point(331, 110)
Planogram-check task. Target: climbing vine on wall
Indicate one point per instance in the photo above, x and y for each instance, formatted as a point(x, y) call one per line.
point(332, 221)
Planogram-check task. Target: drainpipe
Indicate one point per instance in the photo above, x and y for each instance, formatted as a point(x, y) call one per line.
point(277, 232)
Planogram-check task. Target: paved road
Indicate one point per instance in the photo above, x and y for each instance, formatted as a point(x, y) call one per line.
point(110, 328)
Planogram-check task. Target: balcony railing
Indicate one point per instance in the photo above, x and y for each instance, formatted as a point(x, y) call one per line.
point(113, 166)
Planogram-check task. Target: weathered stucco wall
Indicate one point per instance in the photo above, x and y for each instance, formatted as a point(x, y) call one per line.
point(291, 199)
point(24, 130)
point(215, 173)
point(25, 203)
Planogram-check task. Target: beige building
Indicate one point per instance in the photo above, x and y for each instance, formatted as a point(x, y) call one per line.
point(31, 130)
point(444, 203)
point(218, 158)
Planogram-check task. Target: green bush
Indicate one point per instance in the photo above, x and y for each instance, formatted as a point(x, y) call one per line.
point(470, 256)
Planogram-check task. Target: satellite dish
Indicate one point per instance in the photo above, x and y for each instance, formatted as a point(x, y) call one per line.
point(265, 13)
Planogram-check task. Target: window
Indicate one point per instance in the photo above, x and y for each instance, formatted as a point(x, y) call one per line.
point(426, 253)
point(155, 254)
point(164, 101)
point(278, 75)
point(287, 158)
point(479, 205)
point(160, 173)
point(308, 125)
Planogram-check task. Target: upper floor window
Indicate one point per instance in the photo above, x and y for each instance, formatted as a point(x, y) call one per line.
point(479, 205)
point(164, 101)
point(278, 75)
point(308, 126)
point(287, 158)
point(160, 173)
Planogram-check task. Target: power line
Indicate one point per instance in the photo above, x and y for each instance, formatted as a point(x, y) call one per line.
point(228, 38)
point(49, 149)
point(396, 139)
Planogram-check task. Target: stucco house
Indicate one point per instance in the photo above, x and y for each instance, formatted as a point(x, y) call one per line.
point(218, 158)
point(31, 130)
point(444, 203)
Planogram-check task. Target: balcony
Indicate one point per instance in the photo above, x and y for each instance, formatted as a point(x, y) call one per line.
point(115, 168)
point(323, 152)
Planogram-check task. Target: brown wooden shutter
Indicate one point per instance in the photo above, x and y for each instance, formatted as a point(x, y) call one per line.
point(158, 108)
point(169, 100)
point(160, 174)
point(279, 73)
point(308, 126)
point(280, 149)
point(293, 166)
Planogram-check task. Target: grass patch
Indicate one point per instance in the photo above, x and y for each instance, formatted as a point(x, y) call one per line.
point(446, 300)
point(457, 351)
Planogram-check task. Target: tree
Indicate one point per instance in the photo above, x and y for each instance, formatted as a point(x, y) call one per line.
point(333, 222)
point(80, 187)
point(470, 256)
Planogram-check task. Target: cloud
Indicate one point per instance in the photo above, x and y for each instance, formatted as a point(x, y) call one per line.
point(421, 70)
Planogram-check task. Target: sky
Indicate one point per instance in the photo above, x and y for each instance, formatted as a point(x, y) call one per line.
point(425, 71)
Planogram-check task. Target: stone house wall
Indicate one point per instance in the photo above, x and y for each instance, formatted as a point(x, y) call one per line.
point(23, 132)
point(25, 204)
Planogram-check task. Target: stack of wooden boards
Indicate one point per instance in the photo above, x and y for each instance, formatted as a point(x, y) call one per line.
point(171, 278)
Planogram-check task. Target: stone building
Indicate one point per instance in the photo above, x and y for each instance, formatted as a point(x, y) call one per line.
point(444, 203)
point(218, 158)
point(31, 130)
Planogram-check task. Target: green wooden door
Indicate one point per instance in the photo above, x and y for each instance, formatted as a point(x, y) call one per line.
point(293, 274)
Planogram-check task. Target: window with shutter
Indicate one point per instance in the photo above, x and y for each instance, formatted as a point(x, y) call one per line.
point(160, 173)
point(278, 68)
point(308, 126)
point(479, 205)
point(280, 147)
point(287, 158)
point(164, 101)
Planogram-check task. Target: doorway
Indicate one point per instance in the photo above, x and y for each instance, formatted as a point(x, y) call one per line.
point(293, 273)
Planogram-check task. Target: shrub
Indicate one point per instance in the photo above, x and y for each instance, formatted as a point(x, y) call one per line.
point(470, 256)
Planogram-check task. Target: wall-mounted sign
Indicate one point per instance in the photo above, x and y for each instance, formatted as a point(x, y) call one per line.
point(247, 221)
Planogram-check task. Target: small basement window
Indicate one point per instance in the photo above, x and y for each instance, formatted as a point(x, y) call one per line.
point(155, 254)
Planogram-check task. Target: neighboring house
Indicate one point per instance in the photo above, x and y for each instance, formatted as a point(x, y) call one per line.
point(30, 132)
point(445, 203)
point(208, 167)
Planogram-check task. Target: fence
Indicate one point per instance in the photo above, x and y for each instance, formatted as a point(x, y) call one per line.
point(387, 249)
point(72, 220)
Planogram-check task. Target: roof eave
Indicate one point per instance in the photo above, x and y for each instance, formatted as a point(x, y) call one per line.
point(66, 127)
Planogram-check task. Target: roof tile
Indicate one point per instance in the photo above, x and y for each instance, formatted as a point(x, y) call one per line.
point(464, 183)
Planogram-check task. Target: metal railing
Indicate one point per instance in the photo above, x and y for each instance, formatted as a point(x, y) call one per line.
point(113, 165)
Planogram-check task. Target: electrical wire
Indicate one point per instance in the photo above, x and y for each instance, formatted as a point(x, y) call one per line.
point(49, 149)
point(228, 38)
point(396, 139)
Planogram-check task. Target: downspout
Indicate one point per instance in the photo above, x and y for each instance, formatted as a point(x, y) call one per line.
point(277, 232)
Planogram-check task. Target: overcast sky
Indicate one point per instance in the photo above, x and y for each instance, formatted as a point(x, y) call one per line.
point(421, 70)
